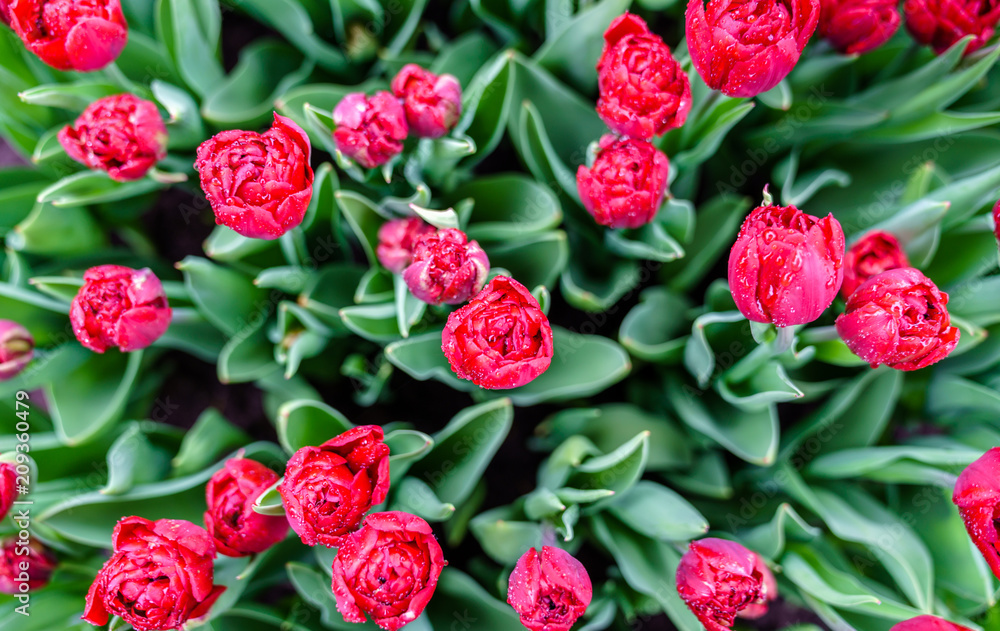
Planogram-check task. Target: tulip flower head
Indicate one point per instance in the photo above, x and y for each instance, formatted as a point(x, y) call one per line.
point(17, 348)
point(119, 307)
point(447, 268)
point(432, 103)
point(80, 35)
point(550, 589)
point(625, 186)
point(745, 47)
point(644, 91)
point(898, 318)
point(977, 495)
point(396, 240)
point(872, 254)
point(786, 266)
point(238, 530)
point(940, 24)
point(370, 131)
point(855, 27)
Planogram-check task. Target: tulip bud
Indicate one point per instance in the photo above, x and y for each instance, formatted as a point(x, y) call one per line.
point(70, 34)
point(119, 306)
point(370, 131)
point(745, 47)
point(898, 318)
point(396, 240)
point(874, 253)
point(8, 487)
point(977, 495)
point(927, 623)
point(644, 91)
point(15, 554)
point(501, 339)
point(786, 266)
point(447, 268)
point(720, 579)
point(17, 348)
point(941, 23)
point(231, 520)
point(388, 570)
point(260, 185)
point(432, 103)
point(549, 590)
point(122, 134)
point(159, 576)
point(855, 27)
point(626, 184)
point(327, 489)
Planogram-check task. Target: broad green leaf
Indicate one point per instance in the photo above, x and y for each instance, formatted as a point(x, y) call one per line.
point(190, 30)
point(503, 537)
point(650, 336)
point(416, 497)
point(308, 423)
point(225, 297)
point(133, 460)
point(616, 471)
point(211, 436)
point(769, 539)
point(92, 397)
point(571, 51)
point(658, 512)
point(508, 207)
point(463, 450)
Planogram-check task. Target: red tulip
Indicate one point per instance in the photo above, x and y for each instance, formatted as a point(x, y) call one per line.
point(432, 103)
point(5, 11)
point(501, 339)
point(898, 318)
point(122, 134)
point(119, 306)
point(977, 495)
point(81, 35)
point(720, 579)
point(928, 623)
point(259, 185)
point(17, 348)
point(327, 489)
point(387, 571)
point(8, 487)
point(941, 23)
point(236, 528)
point(396, 240)
point(874, 253)
point(447, 268)
point(159, 576)
point(855, 27)
point(550, 590)
point(626, 184)
point(644, 91)
point(24, 566)
point(786, 266)
point(370, 131)
point(745, 47)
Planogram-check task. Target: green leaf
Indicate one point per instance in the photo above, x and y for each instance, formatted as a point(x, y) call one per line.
point(585, 291)
point(509, 207)
point(133, 460)
point(267, 69)
point(651, 242)
point(184, 125)
point(715, 230)
point(74, 96)
point(503, 538)
point(406, 446)
point(308, 423)
point(648, 566)
point(247, 356)
point(53, 231)
point(950, 395)
point(486, 103)
point(364, 219)
point(93, 187)
point(211, 436)
point(534, 260)
point(463, 450)
point(647, 334)
point(89, 518)
point(699, 357)
point(459, 598)
point(751, 436)
point(658, 512)
point(416, 497)
point(769, 539)
point(616, 471)
point(879, 463)
point(378, 323)
point(86, 402)
point(190, 31)
point(314, 588)
point(572, 51)
point(227, 298)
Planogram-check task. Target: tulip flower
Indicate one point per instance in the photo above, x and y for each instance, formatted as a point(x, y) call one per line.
point(644, 91)
point(370, 131)
point(855, 27)
point(447, 268)
point(122, 134)
point(927, 623)
point(977, 495)
point(898, 318)
point(17, 348)
point(388, 570)
point(260, 185)
point(119, 306)
point(501, 339)
point(397, 239)
point(786, 267)
point(432, 103)
point(745, 47)
point(625, 186)
point(231, 520)
point(550, 589)
point(942, 23)
point(70, 34)
point(19, 560)
point(872, 254)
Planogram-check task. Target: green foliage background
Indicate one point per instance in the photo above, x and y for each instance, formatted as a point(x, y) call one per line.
point(666, 414)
